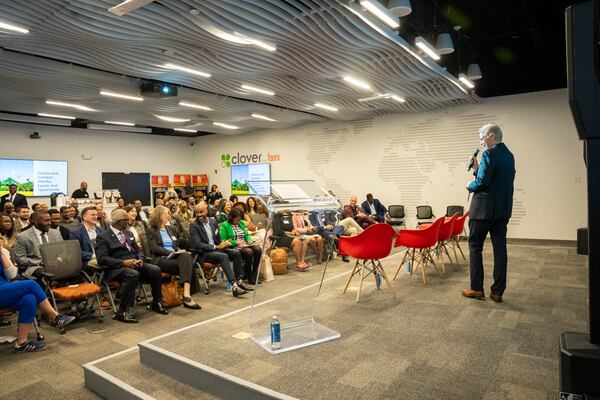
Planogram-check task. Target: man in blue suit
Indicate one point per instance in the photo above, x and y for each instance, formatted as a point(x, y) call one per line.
point(490, 210)
point(86, 235)
point(374, 208)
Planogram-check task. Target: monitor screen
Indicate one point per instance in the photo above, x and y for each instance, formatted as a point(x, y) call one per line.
point(259, 176)
point(33, 177)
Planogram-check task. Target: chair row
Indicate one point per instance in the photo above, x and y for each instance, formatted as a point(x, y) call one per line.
point(424, 214)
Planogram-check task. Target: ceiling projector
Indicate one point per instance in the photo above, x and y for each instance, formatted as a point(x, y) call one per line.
point(158, 90)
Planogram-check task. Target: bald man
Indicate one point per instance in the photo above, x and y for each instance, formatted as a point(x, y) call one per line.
point(354, 211)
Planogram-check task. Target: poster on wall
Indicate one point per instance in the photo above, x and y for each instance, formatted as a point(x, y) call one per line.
point(183, 185)
point(200, 185)
point(159, 185)
point(33, 177)
point(259, 175)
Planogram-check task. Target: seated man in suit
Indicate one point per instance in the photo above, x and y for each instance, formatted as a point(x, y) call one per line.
point(55, 220)
point(206, 242)
point(68, 219)
point(12, 196)
point(354, 211)
point(86, 235)
point(117, 251)
point(22, 220)
point(27, 245)
point(374, 208)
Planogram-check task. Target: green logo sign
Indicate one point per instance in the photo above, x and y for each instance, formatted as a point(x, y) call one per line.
point(225, 160)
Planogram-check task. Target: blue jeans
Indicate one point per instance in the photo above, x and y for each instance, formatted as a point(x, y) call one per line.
point(23, 296)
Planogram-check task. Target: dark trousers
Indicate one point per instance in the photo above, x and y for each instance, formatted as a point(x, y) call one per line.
point(129, 277)
point(183, 266)
point(478, 232)
point(251, 256)
point(223, 257)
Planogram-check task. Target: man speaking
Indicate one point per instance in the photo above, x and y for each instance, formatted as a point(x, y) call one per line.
point(490, 210)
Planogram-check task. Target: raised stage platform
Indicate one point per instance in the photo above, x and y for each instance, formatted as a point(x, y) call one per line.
point(429, 342)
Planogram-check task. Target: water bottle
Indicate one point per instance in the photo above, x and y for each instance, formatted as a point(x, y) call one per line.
point(407, 267)
point(275, 333)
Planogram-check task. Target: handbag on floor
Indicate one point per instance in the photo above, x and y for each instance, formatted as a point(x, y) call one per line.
point(266, 270)
point(170, 293)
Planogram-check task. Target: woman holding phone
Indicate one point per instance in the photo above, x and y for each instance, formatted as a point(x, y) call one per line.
point(234, 230)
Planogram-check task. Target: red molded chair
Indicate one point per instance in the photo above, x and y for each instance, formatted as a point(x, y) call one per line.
point(373, 244)
point(422, 240)
point(459, 227)
point(444, 236)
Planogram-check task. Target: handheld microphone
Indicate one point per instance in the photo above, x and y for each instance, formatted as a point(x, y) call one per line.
point(472, 160)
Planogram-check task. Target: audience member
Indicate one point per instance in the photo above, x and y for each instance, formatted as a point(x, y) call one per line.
point(214, 194)
point(68, 220)
point(74, 204)
point(27, 245)
point(292, 240)
point(22, 220)
point(169, 257)
point(374, 209)
point(25, 296)
point(117, 250)
point(233, 199)
point(81, 193)
point(303, 226)
point(137, 229)
point(233, 230)
point(142, 214)
point(206, 241)
point(353, 210)
point(192, 201)
point(34, 207)
point(12, 196)
point(86, 235)
point(261, 209)
point(102, 220)
point(159, 202)
point(252, 206)
point(42, 207)
point(171, 193)
point(8, 234)
point(120, 203)
point(9, 209)
point(225, 207)
point(183, 213)
point(240, 205)
point(55, 220)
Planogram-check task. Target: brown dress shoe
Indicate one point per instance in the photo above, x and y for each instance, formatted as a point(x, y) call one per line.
point(496, 297)
point(473, 294)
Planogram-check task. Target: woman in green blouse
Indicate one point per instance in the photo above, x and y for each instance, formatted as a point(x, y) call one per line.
point(234, 230)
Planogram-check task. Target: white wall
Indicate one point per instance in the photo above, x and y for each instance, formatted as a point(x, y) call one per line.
point(415, 159)
point(109, 151)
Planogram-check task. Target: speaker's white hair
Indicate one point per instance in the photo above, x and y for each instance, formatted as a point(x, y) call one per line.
point(488, 129)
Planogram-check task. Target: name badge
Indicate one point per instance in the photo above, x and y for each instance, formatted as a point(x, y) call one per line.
point(173, 238)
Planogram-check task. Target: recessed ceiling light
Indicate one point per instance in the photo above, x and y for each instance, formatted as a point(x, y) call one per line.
point(194, 105)
point(375, 8)
point(398, 98)
point(463, 78)
point(357, 82)
point(119, 123)
point(63, 104)
point(172, 119)
point(184, 130)
point(261, 44)
point(128, 6)
point(13, 28)
point(121, 96)
point(427, 48)
point(188, 70)
point(55, 116)
point(325, 106)
point(258, 90)
point(226, 126)
point(260, 116)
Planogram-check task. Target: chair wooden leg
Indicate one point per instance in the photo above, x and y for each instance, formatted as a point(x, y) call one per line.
point(441, 255)
point(401, 263)
point(423, 267)
point(454, 249)
point(389, 284)
point(461, 252)
point(376, 274)
point(351, 276)
point(362, 276)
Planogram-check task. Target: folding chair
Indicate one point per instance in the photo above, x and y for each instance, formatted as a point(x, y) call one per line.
point(396, 213)
point(424, 215)
point(206, 272)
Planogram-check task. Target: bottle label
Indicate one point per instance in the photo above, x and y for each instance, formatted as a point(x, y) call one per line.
point(275, 333)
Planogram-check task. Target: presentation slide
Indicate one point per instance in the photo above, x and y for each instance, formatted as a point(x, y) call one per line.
point(33, 177)
point(258, 175)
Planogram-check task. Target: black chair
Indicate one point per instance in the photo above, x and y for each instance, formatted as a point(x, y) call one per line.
point(424, 215)
point(451, 210)
point(396, 216)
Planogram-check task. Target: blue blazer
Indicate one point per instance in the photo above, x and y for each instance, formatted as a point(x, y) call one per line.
point(380, 210)
point(87, 248)
point(493, 186)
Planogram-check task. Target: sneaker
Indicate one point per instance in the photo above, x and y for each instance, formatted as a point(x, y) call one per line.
point(61, 321)
point(29, 347)
point(125, 317)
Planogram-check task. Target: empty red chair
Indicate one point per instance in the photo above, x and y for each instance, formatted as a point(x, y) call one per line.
point(373, 244)
point(459, 227)
point(444, 236)
point(419, 243)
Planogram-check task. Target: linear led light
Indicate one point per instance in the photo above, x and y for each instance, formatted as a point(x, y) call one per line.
point(172, 119)
point(398, 98)
point(34, 120)
point(120, 96)
point(463, 78)
point(378, 10)
point(13, 28)
point(260, 116)
point(258, 90)
point(119, 123)
point(262, 44)
point(119, 128)
point(427, 48)
point(188, 70)
point(357, 82)
point(75, 106)
point(237, 37)
point(55, 116)
point(128, 6)
point(194, 105)
point(376, 97)
point(226, 126)
point(325, 106)
point(185, 130)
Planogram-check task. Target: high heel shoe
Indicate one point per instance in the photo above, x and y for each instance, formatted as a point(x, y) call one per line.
point(187, 303)
point(237, 291)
